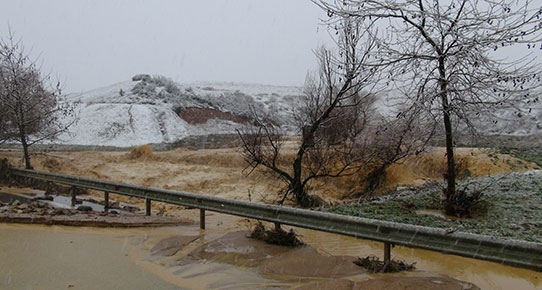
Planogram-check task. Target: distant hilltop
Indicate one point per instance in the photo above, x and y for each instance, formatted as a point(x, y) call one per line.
point(155, 109)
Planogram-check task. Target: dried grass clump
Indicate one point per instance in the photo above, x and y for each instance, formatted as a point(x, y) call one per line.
point(373, 264)
point(276, 236)
point(141, 152)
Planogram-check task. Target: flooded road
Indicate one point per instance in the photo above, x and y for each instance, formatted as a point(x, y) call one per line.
point(53, 257)
point(42, 257)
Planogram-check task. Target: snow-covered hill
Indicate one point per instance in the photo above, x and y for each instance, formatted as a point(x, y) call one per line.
point(154, 109)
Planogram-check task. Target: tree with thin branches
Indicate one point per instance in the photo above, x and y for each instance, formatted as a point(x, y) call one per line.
point(449, 57)
point(30, 111)
point(338, 121)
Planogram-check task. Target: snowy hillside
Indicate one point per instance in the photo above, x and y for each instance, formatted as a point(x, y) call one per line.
point(154, 109)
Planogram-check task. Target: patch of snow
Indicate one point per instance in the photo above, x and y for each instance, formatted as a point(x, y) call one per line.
point(124, 125)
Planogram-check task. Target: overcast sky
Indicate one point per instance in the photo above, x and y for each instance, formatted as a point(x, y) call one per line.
point(95, 43)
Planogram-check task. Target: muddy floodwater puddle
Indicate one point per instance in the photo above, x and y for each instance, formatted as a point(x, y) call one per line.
point(220, 257)
point(42, 257)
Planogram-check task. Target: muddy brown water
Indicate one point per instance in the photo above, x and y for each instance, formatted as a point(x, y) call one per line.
point(185, 257)
point(41, 257)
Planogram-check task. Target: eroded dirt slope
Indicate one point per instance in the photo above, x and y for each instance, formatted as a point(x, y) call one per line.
point(222, 172)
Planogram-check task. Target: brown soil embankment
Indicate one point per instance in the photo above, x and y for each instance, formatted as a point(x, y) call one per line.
point(221, 172)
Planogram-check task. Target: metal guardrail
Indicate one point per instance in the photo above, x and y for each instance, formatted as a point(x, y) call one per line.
point(511, 252)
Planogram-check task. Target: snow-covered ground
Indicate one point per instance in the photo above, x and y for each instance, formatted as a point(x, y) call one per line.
point(146, 110)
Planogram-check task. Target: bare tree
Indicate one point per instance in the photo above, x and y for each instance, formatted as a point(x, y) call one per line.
point(338, 85)
point(336, 115)
point(30, 111)
point(444, 56)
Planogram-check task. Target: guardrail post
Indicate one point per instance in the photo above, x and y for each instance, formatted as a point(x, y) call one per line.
point(74, 198)
point(387, 254)
point(277, 226)
point(48, 187)
point(147, 206)
point(202, 218)
point(106, 201)
point(4, 169)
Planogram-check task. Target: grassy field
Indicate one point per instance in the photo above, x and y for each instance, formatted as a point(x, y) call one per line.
point(510, 207)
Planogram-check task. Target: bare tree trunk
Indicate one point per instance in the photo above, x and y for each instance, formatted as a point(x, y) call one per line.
point(450, 158)
point(24, 138)
point(297, 187)
point(450, 173)
point(299, 193)
point(26, 153)
point(376, 178)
